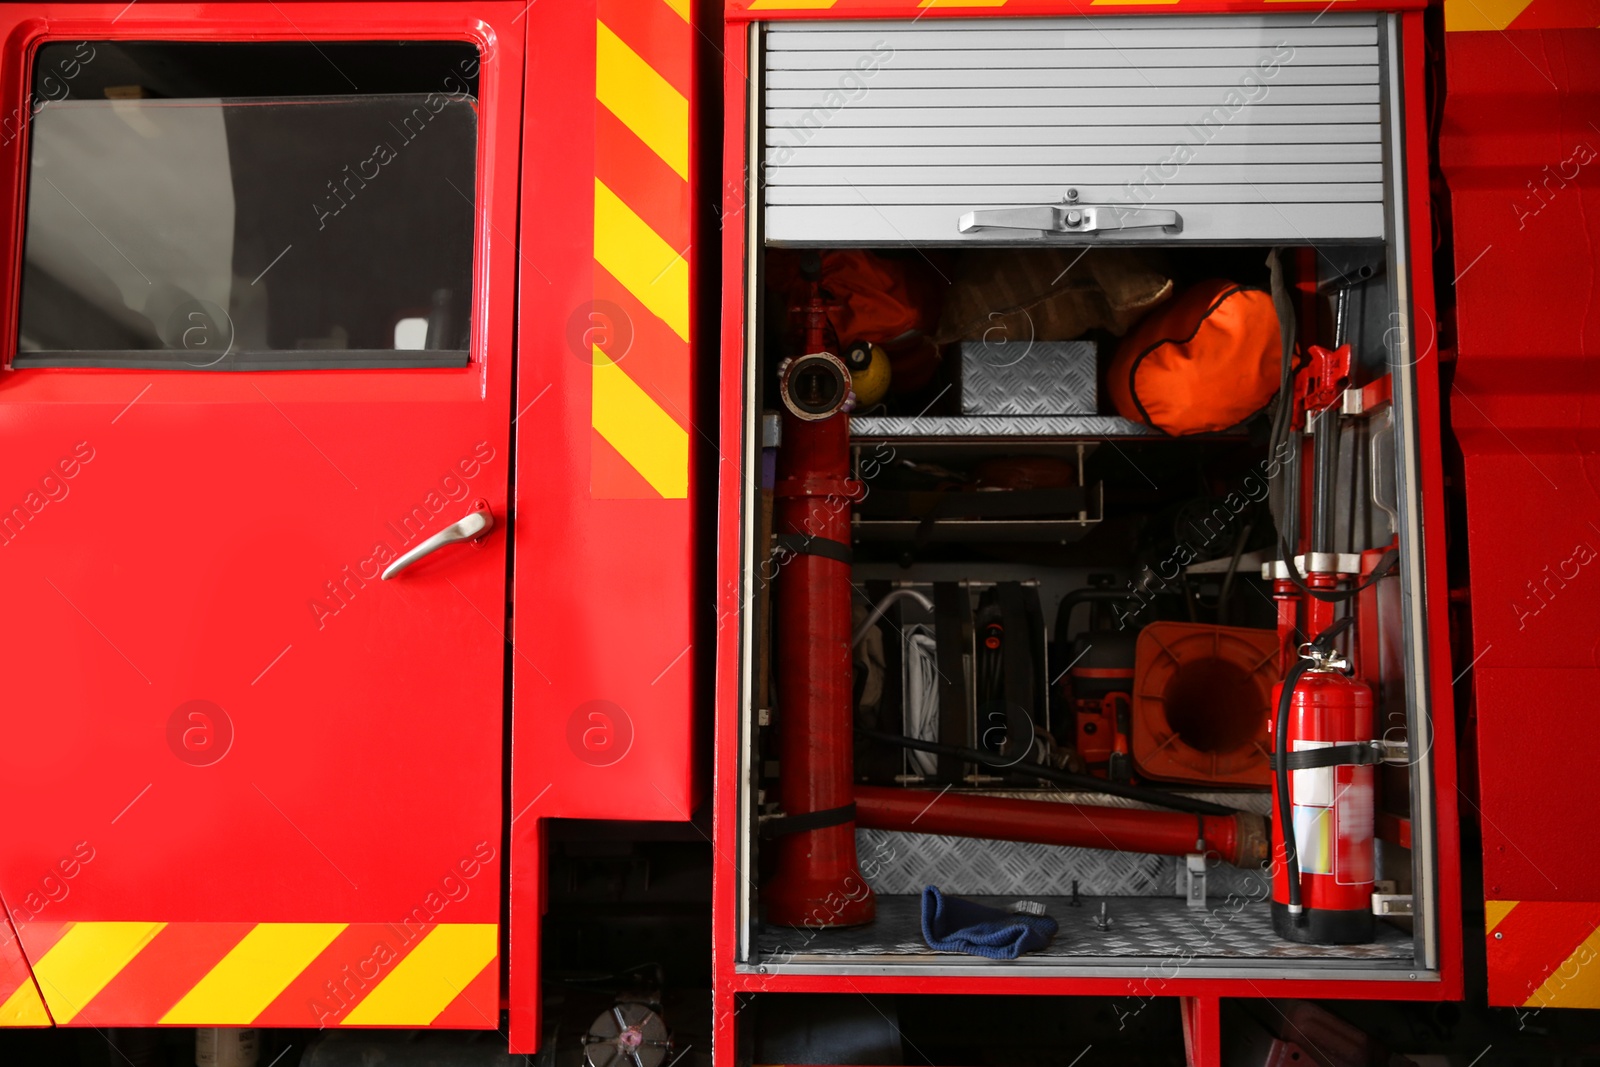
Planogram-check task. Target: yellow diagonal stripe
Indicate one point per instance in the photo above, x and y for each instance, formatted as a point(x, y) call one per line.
point(425, 982)
point(634, 424)
point(790, 5)
point(23, 1007)
point(681, 7)
point(1574, 984)
point(636, 256)
point(646, 102)
point(87, 957)
point(252, 974)
point(1495, 912)
point(1481, 14)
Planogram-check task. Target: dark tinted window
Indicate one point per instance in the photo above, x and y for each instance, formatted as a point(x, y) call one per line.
point(188, 207)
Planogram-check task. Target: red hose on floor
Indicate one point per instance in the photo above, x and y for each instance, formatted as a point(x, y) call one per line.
point(1240, 839)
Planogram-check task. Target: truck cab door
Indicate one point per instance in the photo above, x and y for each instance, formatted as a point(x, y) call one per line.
point(256, 321)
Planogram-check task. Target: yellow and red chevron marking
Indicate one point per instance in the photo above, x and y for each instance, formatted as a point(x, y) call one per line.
point(20, 1003)
point(1543, 954)
point(1521, 14)
point(642, 249)
point(267, 974)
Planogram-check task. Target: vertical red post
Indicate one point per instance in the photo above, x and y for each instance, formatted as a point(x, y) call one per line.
point(1319, 612)
point(1202, 1030)
point(1287, 595)
point(817, 883)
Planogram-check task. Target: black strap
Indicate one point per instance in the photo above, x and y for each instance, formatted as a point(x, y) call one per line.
point(811, 820)
point(1356, 754)
point(951, 611)
point(811, 545)
point(1016, 670)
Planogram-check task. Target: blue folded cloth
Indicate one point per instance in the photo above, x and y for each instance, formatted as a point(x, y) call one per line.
point(950, 924)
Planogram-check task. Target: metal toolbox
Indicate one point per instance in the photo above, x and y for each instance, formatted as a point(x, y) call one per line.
point(1028, 378)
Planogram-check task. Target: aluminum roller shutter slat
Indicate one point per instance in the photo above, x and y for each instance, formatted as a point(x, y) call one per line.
point(935, 225)
point(1154, 195)
point(1121, 96)
point(810, 157)
point(919, 123)
point(979, 176)
point(1036, 136)
point(1326, 17)
point(937, 39)
point(1259, 114)
point(888, 76)
point(1241, 59)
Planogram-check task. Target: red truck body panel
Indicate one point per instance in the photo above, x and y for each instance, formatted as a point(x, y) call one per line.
point(1518, 147)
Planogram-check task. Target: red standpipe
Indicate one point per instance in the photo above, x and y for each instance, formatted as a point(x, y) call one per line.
point(1319, 612)
point(816, 882)
point(1287, 596)
point(1239, 839)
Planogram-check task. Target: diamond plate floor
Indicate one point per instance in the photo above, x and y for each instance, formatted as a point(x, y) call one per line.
point(1142, 927)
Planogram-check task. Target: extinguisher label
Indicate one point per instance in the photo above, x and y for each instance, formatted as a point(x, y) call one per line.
point(1313, 793)
point(1353, 862)
point(1333, 819)
point(1312, 788)
point(1313, 836)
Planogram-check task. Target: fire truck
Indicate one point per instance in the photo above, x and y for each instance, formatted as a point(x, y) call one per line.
point(619, 532)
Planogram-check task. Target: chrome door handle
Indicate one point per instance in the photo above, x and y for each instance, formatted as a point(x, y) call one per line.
point(1072, 218)
point(471, 528)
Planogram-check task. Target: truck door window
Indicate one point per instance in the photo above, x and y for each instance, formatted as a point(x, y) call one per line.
point(250, 206)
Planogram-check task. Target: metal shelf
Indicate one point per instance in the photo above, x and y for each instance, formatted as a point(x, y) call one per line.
point(938, 427)
point(938, 519)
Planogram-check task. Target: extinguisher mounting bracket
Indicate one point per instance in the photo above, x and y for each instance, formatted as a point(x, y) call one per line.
point(1392, 751)
point(1393, 904)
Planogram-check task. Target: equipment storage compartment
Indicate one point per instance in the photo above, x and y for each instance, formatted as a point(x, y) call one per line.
point(1017, 616)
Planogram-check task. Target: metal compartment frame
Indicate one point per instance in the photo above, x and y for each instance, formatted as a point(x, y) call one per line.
point(1432, 969)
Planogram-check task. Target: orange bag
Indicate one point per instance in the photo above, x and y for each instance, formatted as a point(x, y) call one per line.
point(1205, 361)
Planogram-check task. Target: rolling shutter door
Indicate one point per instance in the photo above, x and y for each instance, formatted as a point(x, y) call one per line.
point(1249, 128)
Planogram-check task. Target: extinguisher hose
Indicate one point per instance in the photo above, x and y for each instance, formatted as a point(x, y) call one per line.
point(1280, 752)
point(1280, 747)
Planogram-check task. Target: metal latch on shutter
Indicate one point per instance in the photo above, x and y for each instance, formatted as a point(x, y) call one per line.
point(1072, 217)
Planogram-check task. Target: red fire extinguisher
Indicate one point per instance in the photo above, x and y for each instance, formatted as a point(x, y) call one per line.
point(1323, 757)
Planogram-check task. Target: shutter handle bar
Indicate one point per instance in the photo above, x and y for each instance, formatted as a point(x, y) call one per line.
point(473, 527)
point(1071, 218)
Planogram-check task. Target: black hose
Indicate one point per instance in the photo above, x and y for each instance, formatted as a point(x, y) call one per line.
point(1086, 595)
point(1325, 464)
point(1233, 569)
point(1280, 750)
point(1283, 416)
point(1088, 783)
